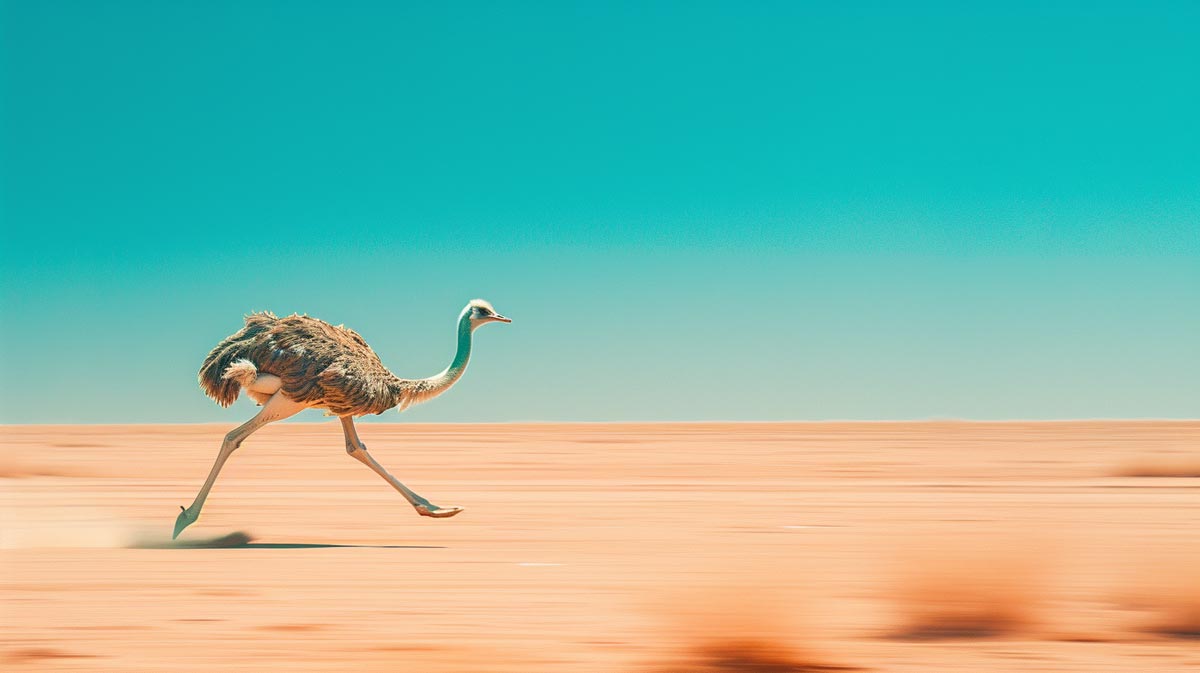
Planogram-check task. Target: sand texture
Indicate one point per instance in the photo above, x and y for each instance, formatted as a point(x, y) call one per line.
point(661, 548)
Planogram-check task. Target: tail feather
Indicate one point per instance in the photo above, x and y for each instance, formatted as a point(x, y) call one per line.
point(243, 371)
point(226, 369)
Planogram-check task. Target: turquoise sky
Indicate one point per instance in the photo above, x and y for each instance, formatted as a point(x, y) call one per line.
point(691, 210)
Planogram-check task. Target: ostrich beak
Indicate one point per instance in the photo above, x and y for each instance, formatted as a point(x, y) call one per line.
point(501, 318)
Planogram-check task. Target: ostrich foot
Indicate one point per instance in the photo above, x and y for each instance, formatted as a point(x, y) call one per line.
point(437, 512)
point(184, 520)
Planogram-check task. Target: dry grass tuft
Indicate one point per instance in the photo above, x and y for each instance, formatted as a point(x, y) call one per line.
point(981, 589)
point(1166, 588)
point(13, 469)
point(747, 623)
point(1183, 621)
point(749, 656)
point(35, 654)
point(1162, 467)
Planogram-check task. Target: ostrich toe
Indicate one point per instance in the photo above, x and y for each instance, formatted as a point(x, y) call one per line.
point(437, 512)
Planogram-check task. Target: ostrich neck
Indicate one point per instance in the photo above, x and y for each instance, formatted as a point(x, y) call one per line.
point(441, 382)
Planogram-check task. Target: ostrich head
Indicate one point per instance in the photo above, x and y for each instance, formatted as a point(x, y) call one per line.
point(480, 312)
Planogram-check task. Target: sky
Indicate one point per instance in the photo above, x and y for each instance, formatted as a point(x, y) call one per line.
point(691, 211)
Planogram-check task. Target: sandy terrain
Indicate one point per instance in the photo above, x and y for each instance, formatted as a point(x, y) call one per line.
point(702, 547)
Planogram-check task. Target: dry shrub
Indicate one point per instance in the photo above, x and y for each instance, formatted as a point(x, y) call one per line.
point(968, 588)
point(748, 656)
point(36, 654)
point(1177, 467)
point(11, 468)
point(746, 625)
point(1180, 621)
point(1165, 585)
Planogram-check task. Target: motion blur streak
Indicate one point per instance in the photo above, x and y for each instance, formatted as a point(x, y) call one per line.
point(606, 547)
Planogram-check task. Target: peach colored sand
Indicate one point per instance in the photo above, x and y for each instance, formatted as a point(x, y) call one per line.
point(659, 547)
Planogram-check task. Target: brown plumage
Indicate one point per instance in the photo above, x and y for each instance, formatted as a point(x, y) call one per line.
point(320, 365)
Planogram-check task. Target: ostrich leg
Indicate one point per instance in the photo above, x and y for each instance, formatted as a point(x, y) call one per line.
point(276, 408)
point(358, 451)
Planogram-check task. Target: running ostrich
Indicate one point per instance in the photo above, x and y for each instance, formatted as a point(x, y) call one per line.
point(295, 363)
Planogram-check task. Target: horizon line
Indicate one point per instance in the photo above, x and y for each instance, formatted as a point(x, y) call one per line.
point(675, 422)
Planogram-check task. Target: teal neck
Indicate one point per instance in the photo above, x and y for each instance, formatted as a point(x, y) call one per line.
point(441, 383)
point(463, 354)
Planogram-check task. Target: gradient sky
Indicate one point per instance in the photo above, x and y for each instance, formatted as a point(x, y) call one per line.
point(691, 210)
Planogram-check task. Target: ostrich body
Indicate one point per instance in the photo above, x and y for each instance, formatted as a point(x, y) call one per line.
point(296, 363)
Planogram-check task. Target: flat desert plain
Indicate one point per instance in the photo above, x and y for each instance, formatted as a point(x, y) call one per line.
point(932, 546)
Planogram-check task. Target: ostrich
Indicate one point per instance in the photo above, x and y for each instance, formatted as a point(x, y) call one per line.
point(295, 363)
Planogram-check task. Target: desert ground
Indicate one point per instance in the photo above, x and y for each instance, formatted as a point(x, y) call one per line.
point(930, 546)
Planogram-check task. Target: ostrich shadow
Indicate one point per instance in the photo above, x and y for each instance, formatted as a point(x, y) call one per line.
point(242, 540)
